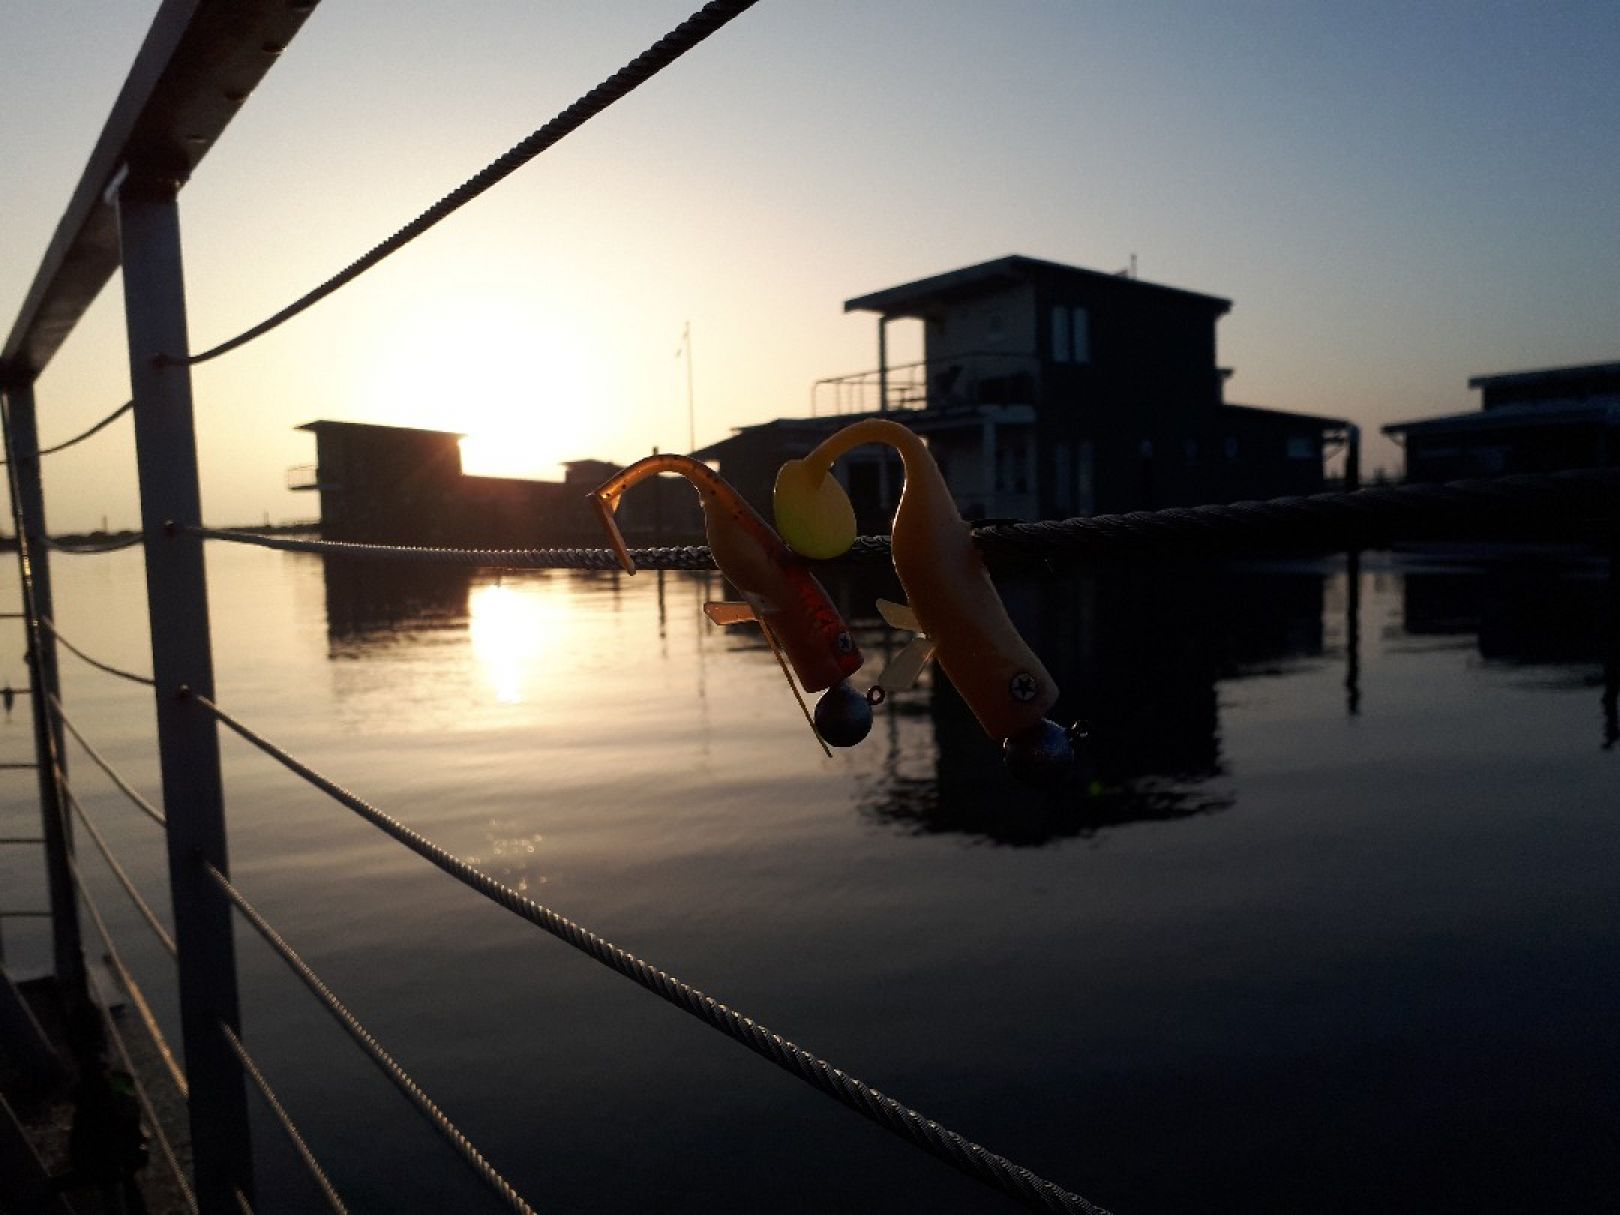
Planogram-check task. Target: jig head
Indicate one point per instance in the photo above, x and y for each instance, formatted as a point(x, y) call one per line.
point(799, 622)
point(954, 610)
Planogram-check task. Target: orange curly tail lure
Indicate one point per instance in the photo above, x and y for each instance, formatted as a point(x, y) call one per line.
point(802, 627)
point(954, 609)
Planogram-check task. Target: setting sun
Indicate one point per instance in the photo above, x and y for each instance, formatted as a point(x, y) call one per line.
point(513, 378)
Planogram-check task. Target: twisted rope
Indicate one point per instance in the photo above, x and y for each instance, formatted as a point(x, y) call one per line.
point(963, 1154)
point(631, 76)
point(370, 1045)
point(48, 623)
point(92, 547)
point(118, 872)
point(317, 1174)
point(1575, 503)
point(127, 981)
point(141, 804)
point(164, 1145)
point(85, 434)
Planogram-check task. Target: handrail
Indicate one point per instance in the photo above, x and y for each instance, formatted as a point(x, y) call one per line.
point(288, 1126)
point(1571, 502)
point(164, 1145)
point(960, 1153)
point(47, 623)
point(118, 871)
point(128, 790)
point(371, 1046)
point(688, 34)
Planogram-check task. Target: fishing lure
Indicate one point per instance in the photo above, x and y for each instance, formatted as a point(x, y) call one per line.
point(800, 623)
point(954, 610)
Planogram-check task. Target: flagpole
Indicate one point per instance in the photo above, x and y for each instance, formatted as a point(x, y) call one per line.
point(691, 417)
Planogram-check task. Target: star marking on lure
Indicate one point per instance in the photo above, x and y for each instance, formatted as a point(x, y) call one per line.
point(1023, 687)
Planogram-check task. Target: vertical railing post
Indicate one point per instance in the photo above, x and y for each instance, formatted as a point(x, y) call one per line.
point(34, 579)
point(182, 662)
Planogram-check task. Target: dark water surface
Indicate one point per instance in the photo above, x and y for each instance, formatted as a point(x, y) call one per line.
point(1334, 927)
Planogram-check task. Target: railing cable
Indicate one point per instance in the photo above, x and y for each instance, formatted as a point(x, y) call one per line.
point(962, 1154)
point(316, 1172)
point(158, 1133)
point(127, 980)
point(1574, 502)
point(83, 435)
point(50, 624)
point(118, 870)
point(92, 547)
point(710, 18)
point(141, 804)
point(371, 1046)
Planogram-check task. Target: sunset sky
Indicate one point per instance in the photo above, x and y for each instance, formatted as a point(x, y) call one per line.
point(1395, 196)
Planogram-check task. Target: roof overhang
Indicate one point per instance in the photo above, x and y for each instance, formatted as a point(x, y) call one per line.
point(199, 62)
point(918, 299)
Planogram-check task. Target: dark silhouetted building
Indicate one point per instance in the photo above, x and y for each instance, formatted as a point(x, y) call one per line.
point(1046, 391)
point(400, 485)
point(1529, 421)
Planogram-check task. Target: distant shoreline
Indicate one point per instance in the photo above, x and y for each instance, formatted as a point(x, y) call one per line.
point(8, 543)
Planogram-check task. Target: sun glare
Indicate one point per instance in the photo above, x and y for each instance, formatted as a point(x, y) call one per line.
point(513, 378)
point(507, 627)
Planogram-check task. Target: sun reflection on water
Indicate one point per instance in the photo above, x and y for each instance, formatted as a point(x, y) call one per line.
point(510, 627)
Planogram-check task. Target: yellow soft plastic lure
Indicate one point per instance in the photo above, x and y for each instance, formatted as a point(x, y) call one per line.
point(799, 621)
point(954, 608)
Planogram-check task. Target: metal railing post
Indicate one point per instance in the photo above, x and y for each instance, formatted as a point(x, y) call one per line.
point(34, 578)
point(182, 662)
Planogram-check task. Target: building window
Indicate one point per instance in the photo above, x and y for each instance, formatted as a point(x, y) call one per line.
point(1231, 447)
point(1081, 327)
point(1300, 447)
point(1071, 334)
point(1190, 449)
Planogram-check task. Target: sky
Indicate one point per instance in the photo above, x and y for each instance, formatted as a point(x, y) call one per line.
point(1395, 196)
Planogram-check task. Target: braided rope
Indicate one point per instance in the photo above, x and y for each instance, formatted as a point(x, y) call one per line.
point(93, 547)
point(147, 1108)
point(85, 434)
point(50, 624)
point(963, 1154)
point(1574, 503)
point(370, 1045)
point(127, 981)
point(118, 872)
point(631, 76)
point(144, 806)
point(316, 1172)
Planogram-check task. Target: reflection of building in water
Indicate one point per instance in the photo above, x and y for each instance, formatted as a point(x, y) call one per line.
point(1564, 617)
point(397, 484)
point(1139, 653)
point(375, 596)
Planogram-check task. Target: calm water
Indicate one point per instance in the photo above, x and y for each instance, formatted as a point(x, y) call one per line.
point(1305, 946)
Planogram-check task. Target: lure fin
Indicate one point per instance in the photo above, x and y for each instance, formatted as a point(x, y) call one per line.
point(729, 613)
point(898, 616)
point(904, 668)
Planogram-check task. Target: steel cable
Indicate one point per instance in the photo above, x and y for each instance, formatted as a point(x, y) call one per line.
point(962, 1154)
point(688, 34)
point(141, 804)
point(1575, 503)
point(83, 435)
point(158, 1133)
point(127, 980)
point(50, 624)
point(316, 1172)
point(370, 1045)
point(118, 872)
point(93, 547)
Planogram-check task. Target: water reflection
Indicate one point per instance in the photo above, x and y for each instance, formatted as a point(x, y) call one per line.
point(364, 598)
point(1139, 654)
point(1559, 621)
